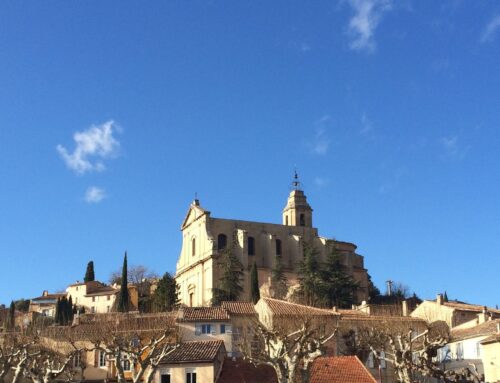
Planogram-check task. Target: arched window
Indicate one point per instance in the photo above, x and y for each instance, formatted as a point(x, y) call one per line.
point(278, 247)
point(302, 220)
point(251, 246)
point(193, 247)
point(221, 241)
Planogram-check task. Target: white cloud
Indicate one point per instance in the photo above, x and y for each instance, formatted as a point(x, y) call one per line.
point(366, 18)
point(490, 29)
point(94, 194)
point(321, 142)
point(321, 181)
point(92, 146)
point(453, 149)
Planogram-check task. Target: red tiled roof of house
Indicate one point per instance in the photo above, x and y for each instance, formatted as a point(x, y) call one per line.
point(239, 308)
point(283, 308)
point(196, 351)
point(491, 339)
point(193, 314)
point(240, 371)
point(340, 369)
point(486, 328)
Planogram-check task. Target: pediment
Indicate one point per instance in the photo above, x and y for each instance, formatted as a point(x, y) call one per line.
point(193, 214)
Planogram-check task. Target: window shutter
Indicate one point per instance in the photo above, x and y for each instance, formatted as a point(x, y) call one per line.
point(370, 360)
point(382, 361)
point(96, 358)
point(197, 330)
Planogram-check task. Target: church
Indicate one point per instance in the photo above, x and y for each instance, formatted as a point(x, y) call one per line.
point(204, 236)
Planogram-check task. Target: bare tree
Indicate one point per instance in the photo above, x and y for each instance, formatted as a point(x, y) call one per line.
point(47, 366)
point(138, 341)
point(413, 354)
point(289, 350)
point(16, 350)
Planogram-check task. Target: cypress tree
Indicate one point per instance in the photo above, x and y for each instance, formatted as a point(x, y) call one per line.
point(89, 274)
point(445, 297)
point(338, 287)
point(69, 310)
point(123, 297)
point(254, 284)
point(57, 316)
point(279, 282)
point(11, 320)
point(310, 276)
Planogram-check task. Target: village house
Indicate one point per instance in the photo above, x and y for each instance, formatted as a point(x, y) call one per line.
point(454, 313)
point(193, 362)
point(98, 298)
point(45, 304)
point(204, 238)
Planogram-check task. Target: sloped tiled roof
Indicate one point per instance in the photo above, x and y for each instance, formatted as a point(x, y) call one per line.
point(197, 351)
point(239, 308)
point(462, 306)
point(491, 339)
point(486, 328)
point(340, 369)
point(239, 371)
point(283, 308)
point(47, 297)
point(193, 314)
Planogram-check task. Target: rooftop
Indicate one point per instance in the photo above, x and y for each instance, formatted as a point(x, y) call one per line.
point(194, 314)
point(463, 306)
point(239, 371)
point(340, 369)
point(239, 308)
point(283, 308)
point(196, 351)
point(483, 329)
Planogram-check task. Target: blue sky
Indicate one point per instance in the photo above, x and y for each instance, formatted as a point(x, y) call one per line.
point(113, 114)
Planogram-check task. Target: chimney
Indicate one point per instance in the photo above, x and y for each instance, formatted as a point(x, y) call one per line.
point(404, 308)
point(334, 309)
point(45, 293)
point(439, 299)
point(484, 316)
point(389, 287)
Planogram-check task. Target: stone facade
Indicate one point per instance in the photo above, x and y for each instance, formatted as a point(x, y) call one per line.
point(203, 237)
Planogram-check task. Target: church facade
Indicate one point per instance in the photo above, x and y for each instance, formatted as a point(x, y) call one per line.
point(203, 237)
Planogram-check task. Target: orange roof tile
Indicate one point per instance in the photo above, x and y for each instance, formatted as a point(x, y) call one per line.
point(240, 371)
point(340, 369)
point(196, 351)
point(194, 314)
point(486, 328)
point(283, 308)
point(239, 308)
point(462, 306)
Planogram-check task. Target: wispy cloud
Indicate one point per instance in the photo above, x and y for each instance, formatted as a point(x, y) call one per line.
point(320, 143)
point(92, 146)
point(94, 194)
point(453, 148)
point(364, 22)
point(490, 29)
point(321, 181)
point(366, 126)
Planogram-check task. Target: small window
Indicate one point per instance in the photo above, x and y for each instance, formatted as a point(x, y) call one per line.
point(191, 299)
point(302, 220)
point(221, 241)
point(286, 220)
point(77, 360)
point(278, 247)
point(108, 309)
point(93, 299)
point(193, 247)
point(165, 378)
point(190, 376)
point(126, 364)
point(206, 329)
point(92, 309)
point(251, 246)
point(222, 328)
point(102, 359)
point(460, 351)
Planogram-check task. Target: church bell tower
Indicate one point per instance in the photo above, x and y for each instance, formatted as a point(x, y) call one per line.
point(297, 211)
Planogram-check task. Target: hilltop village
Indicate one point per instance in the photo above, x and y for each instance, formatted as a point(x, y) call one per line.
point(249, 302)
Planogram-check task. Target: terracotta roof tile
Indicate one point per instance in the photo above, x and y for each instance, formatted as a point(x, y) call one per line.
point(462, 306)
point(283, 308)
point(193, 314)
point(54, 296)
point(239, 371)
point(486, 328)
point(491, 339)
point(196, 351)
point(342, 369)
point(239, 308)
